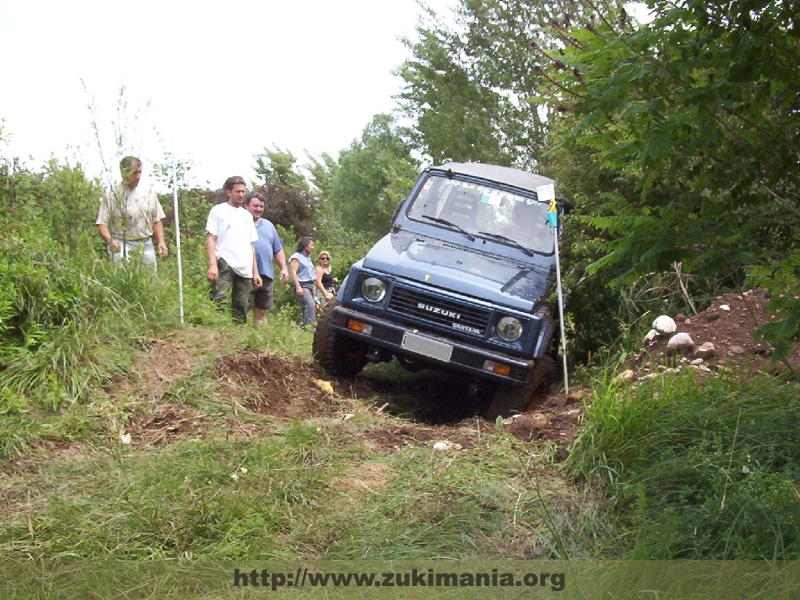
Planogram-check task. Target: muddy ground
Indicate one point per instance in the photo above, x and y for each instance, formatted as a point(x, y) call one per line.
point(427, 406)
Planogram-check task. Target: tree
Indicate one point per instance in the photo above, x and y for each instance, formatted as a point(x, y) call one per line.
point(278, 167)
point(322, 172)
point(469, 87)
point(699, 109)
point(374, 175)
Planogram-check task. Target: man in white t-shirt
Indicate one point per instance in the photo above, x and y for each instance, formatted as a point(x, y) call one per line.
point(232, 266)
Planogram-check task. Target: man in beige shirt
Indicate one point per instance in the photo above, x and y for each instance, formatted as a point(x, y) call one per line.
point(130, 217)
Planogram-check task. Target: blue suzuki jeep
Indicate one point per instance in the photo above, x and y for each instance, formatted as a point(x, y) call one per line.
point(462, 282)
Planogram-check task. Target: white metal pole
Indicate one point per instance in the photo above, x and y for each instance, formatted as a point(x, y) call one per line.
point(561, 312)
point(177, 229)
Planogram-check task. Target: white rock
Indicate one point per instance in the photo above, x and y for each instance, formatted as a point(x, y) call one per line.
point(664, 324)
point(697, 361)
point(680, 342)
point(724, 307)
point(650, 337)
point(446, 445)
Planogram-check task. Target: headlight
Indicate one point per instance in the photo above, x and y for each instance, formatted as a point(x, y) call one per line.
point(373, 289)
point(509, 328)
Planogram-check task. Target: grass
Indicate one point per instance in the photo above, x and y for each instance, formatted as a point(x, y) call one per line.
point(675, 468)
point(244, 485)
point(305, 489)
point(697, 468)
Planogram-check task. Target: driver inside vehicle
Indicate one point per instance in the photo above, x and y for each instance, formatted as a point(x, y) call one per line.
point(528, 226)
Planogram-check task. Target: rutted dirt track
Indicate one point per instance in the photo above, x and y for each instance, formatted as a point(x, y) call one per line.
point(423, 408)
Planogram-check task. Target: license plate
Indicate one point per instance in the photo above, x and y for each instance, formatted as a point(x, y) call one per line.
point(426, 347)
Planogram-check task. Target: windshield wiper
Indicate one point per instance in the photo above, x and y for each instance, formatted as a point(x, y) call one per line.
point(497, 236)
point(451, 224)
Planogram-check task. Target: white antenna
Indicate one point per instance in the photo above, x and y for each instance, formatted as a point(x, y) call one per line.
point(177, 226)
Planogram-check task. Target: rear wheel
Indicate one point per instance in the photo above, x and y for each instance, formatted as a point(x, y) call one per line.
point(334, 352)
point(509, 399)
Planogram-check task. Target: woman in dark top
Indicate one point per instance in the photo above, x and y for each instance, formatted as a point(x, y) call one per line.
point(325, 280)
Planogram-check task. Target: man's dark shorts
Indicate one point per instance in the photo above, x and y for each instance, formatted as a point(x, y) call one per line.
point(263, 298)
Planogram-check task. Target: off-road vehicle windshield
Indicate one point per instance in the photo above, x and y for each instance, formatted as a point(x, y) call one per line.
point(482, 211)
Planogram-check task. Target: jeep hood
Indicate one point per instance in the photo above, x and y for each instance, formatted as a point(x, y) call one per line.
point(468, 271)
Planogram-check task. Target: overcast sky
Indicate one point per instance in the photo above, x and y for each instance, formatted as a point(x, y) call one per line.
point(222, 80)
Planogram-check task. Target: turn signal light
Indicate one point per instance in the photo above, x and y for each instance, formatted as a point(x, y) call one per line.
point(359, 327)
point(498, 368)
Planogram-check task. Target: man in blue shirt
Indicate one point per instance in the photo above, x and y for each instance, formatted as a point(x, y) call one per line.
point(268, 247)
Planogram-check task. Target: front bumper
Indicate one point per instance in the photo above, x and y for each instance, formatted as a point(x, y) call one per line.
point(462, 357)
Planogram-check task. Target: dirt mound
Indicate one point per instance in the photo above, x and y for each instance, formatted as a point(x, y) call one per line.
point(277, 385)
point(727, 328)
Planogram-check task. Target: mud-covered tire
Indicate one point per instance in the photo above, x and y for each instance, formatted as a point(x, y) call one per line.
point(337, 354)
point(510, 400)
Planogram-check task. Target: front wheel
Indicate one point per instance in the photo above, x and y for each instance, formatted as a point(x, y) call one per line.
point(509, 399)
point(334, 352)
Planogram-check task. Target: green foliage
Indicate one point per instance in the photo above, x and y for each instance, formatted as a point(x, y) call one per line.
point(321, 172)
point(780, 278)
point(697, 470)
point(469, 88)
point(375, 174)
point(686, 129)
point(68, 317)
point(278, 167)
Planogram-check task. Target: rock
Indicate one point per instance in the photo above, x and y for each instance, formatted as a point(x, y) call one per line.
point(712, 316)
point(680, 318)
point(705, 351)
point(664, 324)
point(650, 337)
point(697, 361)
point(627, 375)
point(575, 396)
point(724, 307)
point(737, 350)
point(687, 322)
point(528, 426)
point(446, 445)
point(680, 342)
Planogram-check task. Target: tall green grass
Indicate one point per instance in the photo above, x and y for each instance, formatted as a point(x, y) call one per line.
point(697, 469)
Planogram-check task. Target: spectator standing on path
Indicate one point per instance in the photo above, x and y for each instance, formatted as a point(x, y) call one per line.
point(304, 279)
point(232, 266)
point(325, 280)
point(130, 217)
point(268, 247)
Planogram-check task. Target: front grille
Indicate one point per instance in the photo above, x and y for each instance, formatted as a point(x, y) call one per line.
point(442, 311)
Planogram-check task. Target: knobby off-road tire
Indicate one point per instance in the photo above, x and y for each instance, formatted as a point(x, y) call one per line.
point(337, 354)
point(510, 400)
